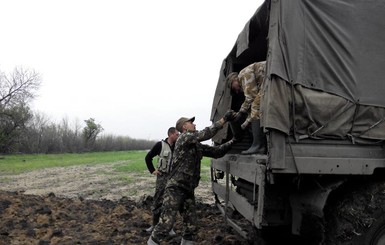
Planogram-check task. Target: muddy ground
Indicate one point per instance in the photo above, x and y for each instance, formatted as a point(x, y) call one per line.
point(93, 205)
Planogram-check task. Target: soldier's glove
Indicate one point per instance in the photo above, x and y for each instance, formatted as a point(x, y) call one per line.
point(225, 147)
point(229, 116)
point(245, 124)
point(240, 116)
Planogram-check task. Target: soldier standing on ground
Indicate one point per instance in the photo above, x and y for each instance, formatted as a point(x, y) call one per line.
point(185, 176)
point(164, 150)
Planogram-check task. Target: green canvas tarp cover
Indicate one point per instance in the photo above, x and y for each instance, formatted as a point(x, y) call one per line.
point(325, 67)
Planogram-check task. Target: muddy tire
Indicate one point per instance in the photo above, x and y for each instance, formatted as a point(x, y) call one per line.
point(355, 214)
point(376, 233)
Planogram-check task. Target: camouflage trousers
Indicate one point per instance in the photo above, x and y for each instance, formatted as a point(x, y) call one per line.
point(160, 186)
point(177, 199)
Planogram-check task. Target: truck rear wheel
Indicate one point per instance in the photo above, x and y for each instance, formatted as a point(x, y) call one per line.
point(356, 214)
point(376, 233)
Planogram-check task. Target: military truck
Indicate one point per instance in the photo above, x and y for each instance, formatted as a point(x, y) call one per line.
point(323, 112)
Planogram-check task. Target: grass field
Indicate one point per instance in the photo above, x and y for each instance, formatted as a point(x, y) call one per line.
point(20, 163)
point(103, 175)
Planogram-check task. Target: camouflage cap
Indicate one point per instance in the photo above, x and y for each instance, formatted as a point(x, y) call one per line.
point(181, 121)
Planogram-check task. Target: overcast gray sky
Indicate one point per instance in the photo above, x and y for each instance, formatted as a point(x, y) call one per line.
point(134, 66)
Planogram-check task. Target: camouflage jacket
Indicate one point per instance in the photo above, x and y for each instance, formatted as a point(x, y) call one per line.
point(251, 78)
point(187, 156)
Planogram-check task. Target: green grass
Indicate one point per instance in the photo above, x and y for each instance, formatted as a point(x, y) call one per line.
point(205, 169)
point(14, 164)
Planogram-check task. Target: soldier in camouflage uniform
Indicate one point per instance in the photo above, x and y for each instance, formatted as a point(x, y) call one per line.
point(185, 176)
point(163, 149)
point(250, 81)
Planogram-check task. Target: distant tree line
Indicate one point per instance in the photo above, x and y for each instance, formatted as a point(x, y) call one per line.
point(24, 131)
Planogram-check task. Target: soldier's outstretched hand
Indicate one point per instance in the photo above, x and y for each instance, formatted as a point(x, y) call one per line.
point(240, 117)
point(229, 116)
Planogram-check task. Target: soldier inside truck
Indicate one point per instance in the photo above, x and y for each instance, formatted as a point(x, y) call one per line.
point(249, 81)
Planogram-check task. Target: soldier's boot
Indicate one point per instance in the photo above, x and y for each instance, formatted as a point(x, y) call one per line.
point(236, 131)
point(186, 242)
point(151, 241)
point(172, 232)
point(150, 229)
point(155, 220)
point(259, 139)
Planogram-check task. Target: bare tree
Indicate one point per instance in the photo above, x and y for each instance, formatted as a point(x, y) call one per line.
point(33, 135)
point(19, 87)
point(16, 91)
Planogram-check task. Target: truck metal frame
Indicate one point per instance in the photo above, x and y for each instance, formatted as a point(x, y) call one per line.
point(340, 160)
point(323, 114)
